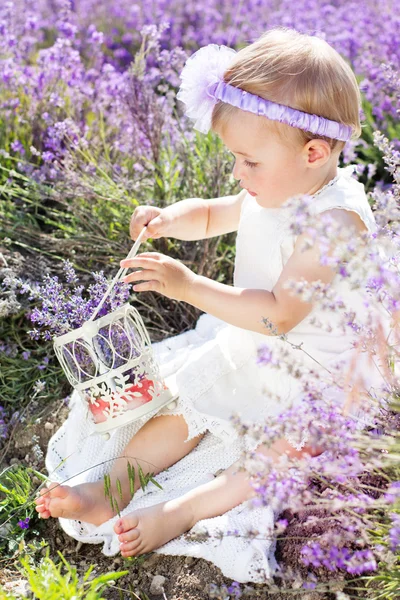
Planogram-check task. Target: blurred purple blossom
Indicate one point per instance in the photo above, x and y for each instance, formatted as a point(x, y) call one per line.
point(394, 532)
point(393, 492)
point(24, 523)
point(334, 558)
point(3, 424)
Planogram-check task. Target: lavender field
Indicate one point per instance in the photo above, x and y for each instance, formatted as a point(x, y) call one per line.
point(90, 128)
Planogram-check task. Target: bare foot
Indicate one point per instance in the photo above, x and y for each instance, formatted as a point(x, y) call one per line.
point(149, 528)
point(85, 502)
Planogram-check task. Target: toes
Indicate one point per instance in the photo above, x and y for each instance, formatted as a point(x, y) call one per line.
point(50, 485)
point(43, 513)
point(129, 536)
point(132, 548)
point(59, 491)
point(53, 490)
point(57, 508)
point(48, 499)
point(131, 521)
point(43, 500)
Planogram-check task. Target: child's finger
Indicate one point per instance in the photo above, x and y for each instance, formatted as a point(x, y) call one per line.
point(142, 217)
point(142, 275)
point(139, 262)
point(148, 286)
point(155, 228)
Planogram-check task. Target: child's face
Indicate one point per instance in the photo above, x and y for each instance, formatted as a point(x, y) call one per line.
point(265, 166)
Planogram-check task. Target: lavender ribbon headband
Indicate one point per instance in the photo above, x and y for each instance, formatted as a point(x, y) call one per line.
point(203, 85)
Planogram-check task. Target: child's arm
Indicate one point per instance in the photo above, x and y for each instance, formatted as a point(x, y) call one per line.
point(247, 308)
point(191, 219)
point(244, 308)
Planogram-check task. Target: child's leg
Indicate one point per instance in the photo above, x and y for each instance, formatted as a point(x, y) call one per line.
point(159, 444)
point(147, 529)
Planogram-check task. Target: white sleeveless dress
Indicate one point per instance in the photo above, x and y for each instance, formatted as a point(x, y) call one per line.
point(214, 367)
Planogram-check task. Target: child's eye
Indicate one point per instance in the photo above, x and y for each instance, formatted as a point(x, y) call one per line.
point(250, 164)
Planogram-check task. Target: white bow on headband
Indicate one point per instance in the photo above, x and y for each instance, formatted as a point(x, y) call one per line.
point(203, 69)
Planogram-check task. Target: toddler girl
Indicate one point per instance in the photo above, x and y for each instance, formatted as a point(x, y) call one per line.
point(284, 106)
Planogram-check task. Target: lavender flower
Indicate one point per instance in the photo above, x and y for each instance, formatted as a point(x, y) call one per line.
point(334, 558)
point(24, 523)
point(393, 493)
point(394, 532)
point(64, 307)
point(225, 592)
point(44, 365)
point(3, 425)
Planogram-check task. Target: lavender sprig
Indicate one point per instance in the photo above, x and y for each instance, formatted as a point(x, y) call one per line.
point(66, 306)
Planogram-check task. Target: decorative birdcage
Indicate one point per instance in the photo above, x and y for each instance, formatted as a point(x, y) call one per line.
point(110, 362)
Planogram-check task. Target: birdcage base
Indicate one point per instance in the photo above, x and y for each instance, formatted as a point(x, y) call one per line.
point(164, 398)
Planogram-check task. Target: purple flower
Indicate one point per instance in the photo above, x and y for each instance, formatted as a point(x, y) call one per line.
point(44, 365)
point(17, 147)
point(334, 558)
point(64, 307)
point(24, 524)
point(265, 356)
point(3, 425)
point(309, 585)
point(394, 532)
point(48, 156)
point(393, 492)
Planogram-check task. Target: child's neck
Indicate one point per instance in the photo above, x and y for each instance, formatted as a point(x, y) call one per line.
point(324, 179)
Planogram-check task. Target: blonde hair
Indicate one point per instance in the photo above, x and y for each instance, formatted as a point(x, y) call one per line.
point(300, 71)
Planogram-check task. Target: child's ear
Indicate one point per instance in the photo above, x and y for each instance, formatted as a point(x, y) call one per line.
point(317, 153)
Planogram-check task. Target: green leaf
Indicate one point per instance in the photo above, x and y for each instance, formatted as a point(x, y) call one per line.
point(119, 488)
point(131, 475)
point(142, 478)
point(151, 478)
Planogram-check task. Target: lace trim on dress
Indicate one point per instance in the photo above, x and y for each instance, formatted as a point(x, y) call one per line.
point(343, 172)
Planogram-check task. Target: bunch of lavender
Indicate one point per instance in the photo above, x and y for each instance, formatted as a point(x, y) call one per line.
point(64, 307)
point(67, 306)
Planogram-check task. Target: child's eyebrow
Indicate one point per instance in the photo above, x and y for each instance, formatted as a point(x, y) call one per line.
point(242, 153)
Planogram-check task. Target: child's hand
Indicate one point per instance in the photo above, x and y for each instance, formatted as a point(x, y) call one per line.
point(157, 223)
point(159, 273)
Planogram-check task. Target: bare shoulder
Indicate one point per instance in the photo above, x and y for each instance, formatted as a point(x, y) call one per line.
point(347, 218)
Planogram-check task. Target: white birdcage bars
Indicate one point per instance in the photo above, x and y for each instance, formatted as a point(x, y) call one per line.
point(110, 362)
